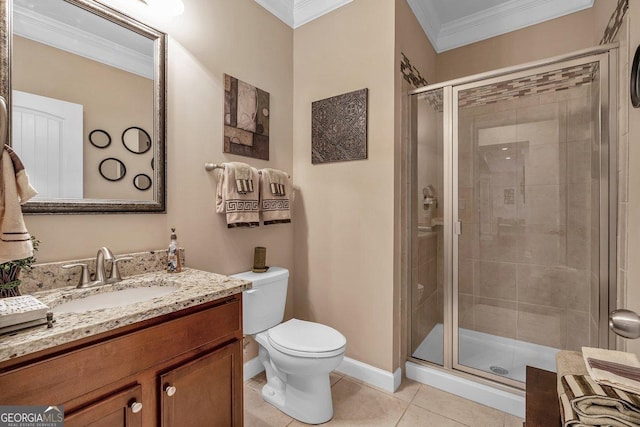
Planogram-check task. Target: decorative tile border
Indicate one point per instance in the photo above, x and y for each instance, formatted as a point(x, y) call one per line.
point(615, 22)
point(551, 81)
point(537, 84)
point(411, 73)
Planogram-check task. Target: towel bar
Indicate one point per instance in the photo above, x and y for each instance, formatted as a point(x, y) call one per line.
point(211, 166)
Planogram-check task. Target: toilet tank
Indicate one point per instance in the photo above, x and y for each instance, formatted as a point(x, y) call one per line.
point(263, 304)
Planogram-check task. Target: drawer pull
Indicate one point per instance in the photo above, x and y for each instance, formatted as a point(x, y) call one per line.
point(135, 407)
point(170, 390)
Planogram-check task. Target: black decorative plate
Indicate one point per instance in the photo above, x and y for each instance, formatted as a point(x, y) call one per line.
point(635, 80)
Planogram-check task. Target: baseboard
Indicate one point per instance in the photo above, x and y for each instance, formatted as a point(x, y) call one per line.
point(371, 375)
point(480, 393)
point(252, 368)
point(358, 370)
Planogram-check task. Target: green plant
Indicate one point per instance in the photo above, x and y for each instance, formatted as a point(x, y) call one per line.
point(10, 272)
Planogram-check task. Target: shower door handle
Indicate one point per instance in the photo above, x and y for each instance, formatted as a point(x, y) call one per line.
point(625, 323)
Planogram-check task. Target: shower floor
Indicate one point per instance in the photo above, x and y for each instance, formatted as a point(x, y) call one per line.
point(490, 353)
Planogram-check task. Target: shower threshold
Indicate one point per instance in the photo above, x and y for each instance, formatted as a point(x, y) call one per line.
point(490, 353)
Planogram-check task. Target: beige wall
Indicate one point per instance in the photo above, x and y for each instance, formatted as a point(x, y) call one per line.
point(561, 35)
point(204, 44)
point(112, 100)
point(344, 211)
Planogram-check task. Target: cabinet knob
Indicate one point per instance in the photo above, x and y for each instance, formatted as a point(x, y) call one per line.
point(170, 390)
point(135, 407)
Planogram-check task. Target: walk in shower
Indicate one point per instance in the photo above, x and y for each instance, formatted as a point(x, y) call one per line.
point(513, 216)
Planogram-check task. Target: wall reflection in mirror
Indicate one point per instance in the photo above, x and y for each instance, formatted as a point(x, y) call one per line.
point(79, 75)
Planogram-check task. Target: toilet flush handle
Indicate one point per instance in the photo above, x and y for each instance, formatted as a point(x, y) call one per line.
point(251, 291)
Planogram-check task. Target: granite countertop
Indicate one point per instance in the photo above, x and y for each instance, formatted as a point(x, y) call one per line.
point(194, 287)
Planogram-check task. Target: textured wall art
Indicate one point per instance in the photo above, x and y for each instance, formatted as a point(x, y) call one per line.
point(246, 119)
point(339, 128)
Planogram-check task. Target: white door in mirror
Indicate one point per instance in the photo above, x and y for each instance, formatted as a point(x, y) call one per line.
point(43, 126)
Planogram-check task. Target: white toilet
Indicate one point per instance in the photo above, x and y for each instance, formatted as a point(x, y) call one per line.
point(297, 355)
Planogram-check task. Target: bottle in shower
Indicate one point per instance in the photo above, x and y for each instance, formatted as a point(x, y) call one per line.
point(174, 263)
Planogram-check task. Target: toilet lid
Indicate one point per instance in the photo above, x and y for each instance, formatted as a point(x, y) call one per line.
point(299, 337)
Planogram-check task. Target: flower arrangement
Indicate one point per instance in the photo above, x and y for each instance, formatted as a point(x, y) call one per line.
point(10, 273)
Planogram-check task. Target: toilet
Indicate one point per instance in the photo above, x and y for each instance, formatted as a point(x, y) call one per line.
point(297, 355)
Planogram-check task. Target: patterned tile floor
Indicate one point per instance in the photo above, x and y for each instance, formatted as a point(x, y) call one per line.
point(358, 404)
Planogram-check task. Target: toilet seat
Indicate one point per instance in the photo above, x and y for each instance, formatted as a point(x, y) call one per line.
point(306, 339)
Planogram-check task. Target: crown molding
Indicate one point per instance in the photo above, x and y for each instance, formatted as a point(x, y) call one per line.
point(282, 9)
point(509, 16)
point(48, 31)
point(307, 10)
point(295, 13)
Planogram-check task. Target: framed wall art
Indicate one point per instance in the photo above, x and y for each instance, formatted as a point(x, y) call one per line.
point(246, 119)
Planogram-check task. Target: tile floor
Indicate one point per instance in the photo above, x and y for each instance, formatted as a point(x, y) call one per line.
point(358, 404)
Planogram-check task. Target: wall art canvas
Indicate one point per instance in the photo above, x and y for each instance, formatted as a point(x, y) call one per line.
point(246, 119)
point(339, 128)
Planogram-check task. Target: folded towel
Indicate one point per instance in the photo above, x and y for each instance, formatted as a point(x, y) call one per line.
point(585, 402)
point(569, 363)
point(15, 241)
point(238, 202)
point(275, 193)
point(613, 368)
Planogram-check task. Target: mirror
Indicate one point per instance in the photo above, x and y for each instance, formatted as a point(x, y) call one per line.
point(99, 138)
point(76, 66)
point(142, 182)
point(136, 140)
point(112, 169)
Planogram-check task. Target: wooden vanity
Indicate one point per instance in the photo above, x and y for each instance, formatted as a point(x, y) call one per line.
point(542, 406)
point(182, 368)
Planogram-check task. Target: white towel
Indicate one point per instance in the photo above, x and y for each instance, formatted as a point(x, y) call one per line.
point(239, 201)
point(275, 196)
point(613, 368)
point(15, 240)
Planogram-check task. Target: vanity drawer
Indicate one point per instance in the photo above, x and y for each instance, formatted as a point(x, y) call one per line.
point(61, 378)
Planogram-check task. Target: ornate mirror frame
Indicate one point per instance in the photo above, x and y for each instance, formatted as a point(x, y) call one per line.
point(101, 206)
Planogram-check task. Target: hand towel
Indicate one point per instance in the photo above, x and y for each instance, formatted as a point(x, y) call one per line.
point(275, 196)
point(585, 402)
point(15, 240)
point(238, 201)
point(613, 368)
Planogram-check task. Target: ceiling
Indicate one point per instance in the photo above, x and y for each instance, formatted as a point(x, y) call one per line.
point(447, 23)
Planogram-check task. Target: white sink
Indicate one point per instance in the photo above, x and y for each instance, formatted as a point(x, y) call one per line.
point(113, 299)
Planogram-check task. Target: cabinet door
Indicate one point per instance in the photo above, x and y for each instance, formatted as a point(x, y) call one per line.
point(119, 409)
point(205, 392)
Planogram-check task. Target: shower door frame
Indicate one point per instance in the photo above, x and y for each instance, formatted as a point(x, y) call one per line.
point(606, 56)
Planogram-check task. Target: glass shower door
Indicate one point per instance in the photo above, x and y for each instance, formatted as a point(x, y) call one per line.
point(527, 206)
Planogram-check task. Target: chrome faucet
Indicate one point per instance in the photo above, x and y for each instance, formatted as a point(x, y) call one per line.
point(104, 254)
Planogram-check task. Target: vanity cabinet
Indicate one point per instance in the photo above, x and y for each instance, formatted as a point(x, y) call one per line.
point(179, 369)
point(199, 393)
point(120, 409)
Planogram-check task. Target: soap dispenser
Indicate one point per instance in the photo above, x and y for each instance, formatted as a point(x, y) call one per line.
point(174, 263)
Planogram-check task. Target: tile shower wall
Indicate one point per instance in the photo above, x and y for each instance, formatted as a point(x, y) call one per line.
point(524, 202)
